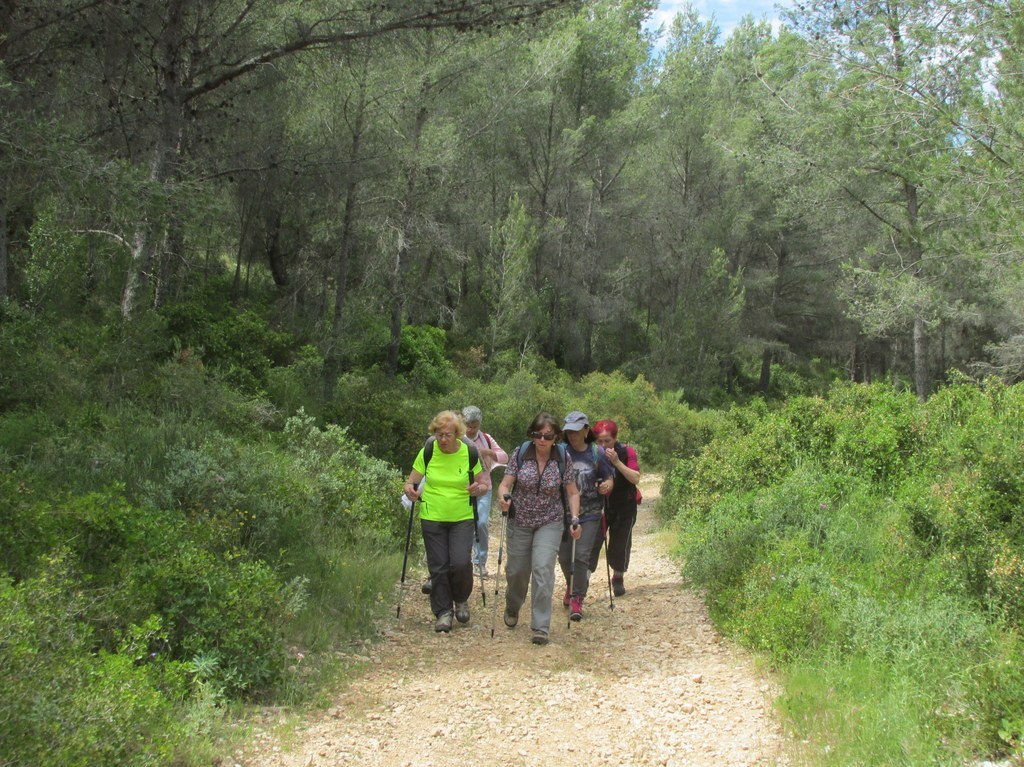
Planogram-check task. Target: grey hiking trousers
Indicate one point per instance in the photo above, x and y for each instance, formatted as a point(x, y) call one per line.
point(531, 566)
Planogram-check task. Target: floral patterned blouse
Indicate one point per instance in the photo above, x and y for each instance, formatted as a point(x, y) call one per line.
point(537, 499)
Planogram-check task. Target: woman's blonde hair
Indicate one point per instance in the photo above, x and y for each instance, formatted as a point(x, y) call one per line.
point(443, 419)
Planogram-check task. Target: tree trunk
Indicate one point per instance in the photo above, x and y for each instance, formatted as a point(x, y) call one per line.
point(766, 371)
point(170, 261)
point(920, 338)
point(332, 357)
point(166, 154)
point(275, 254)
point(405, 238)
point(245, 237)
point(921, 383)
point(4, 289)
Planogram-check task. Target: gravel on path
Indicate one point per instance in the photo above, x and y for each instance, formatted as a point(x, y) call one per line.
point(649, 682)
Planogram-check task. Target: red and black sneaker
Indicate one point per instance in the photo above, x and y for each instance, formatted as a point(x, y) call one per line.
point(576, 609)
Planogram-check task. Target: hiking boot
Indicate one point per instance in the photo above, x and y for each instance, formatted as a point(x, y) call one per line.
point(566, 597)
point(539, 637)
point(576, 609)
point(510, 618)
point(426, 587)
point(618, 587)
point(444, 622)
point(462, 612)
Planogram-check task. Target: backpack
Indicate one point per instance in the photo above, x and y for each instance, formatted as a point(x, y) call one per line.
point(631, 453)
point(474, 456)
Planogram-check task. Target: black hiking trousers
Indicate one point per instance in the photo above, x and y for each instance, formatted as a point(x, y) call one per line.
point(449, 550)
point(620, 540)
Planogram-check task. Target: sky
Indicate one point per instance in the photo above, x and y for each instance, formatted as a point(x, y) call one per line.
point(727, 13)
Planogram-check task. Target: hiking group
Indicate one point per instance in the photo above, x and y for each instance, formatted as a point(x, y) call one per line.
point(560, 503)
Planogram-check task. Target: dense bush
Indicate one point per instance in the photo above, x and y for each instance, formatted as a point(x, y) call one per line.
point(168, 550)
point(870, 546)
point(63, 703)
point(390, 416)
point(236, 341)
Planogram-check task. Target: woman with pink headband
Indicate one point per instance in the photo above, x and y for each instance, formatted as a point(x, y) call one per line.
point(620, 511)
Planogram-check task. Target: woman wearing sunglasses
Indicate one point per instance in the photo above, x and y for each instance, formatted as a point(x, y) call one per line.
point(540, 495)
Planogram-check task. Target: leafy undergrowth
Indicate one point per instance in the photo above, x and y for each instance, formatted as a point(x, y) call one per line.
point(872, 549)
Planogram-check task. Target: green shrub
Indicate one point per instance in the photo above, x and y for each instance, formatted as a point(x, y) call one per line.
point(227, 616)
point(33, 369)
point(873, 542)
point(299, 385)
point(422, 360)
point(356, 495)
point(761, 457)
point(64, 704)
point(878, 432)
point(216, 602)
point(238, 342)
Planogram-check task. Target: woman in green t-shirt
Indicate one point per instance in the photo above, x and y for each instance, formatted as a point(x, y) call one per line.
point(446, 516)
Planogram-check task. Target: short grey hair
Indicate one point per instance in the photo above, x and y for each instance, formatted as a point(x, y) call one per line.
point(472, 414)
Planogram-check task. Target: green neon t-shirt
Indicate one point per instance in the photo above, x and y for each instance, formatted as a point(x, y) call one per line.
point(445, 497)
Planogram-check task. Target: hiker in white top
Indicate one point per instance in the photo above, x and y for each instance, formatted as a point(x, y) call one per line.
point(491, 453)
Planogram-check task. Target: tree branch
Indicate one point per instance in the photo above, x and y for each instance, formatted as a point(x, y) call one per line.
point(463, 15)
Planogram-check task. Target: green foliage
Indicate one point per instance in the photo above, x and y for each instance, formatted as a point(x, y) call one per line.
point(54, 272)
point(422, 360)
point(238, 343)
point(32, 371)
point(63, 703)
point(513, 242)
point(881, 446)
point(387, 415)
point(230, 611)
point(298, 385)
point(870, 546)
point(200, 536)
point(354, 493)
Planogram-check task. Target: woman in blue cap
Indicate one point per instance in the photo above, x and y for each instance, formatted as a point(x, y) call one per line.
point(594, 479)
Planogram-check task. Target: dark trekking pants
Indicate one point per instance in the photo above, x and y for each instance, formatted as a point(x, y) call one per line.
point(449, 548)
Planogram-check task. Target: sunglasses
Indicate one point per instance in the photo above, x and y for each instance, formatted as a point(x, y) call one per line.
point(545, 435)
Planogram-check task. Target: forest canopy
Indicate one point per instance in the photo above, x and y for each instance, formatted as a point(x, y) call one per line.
point(530, 176)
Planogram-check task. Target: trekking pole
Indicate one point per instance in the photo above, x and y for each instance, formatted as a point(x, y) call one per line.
point(497, 573)
point(607, 565)
point(405, 559)
point(483, 591)
point(572, 573)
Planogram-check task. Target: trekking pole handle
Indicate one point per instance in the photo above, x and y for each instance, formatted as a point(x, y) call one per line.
point(508, 499)
point(575, 522)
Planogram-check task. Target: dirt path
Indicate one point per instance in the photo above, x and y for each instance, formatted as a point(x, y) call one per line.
point(648, 683)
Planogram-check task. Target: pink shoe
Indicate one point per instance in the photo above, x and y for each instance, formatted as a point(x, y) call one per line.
point(576, 609)
point(566, 597)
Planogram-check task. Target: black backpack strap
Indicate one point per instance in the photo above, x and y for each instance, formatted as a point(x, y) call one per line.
point(428, 452)
point(474, 456)
point(560, 452)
